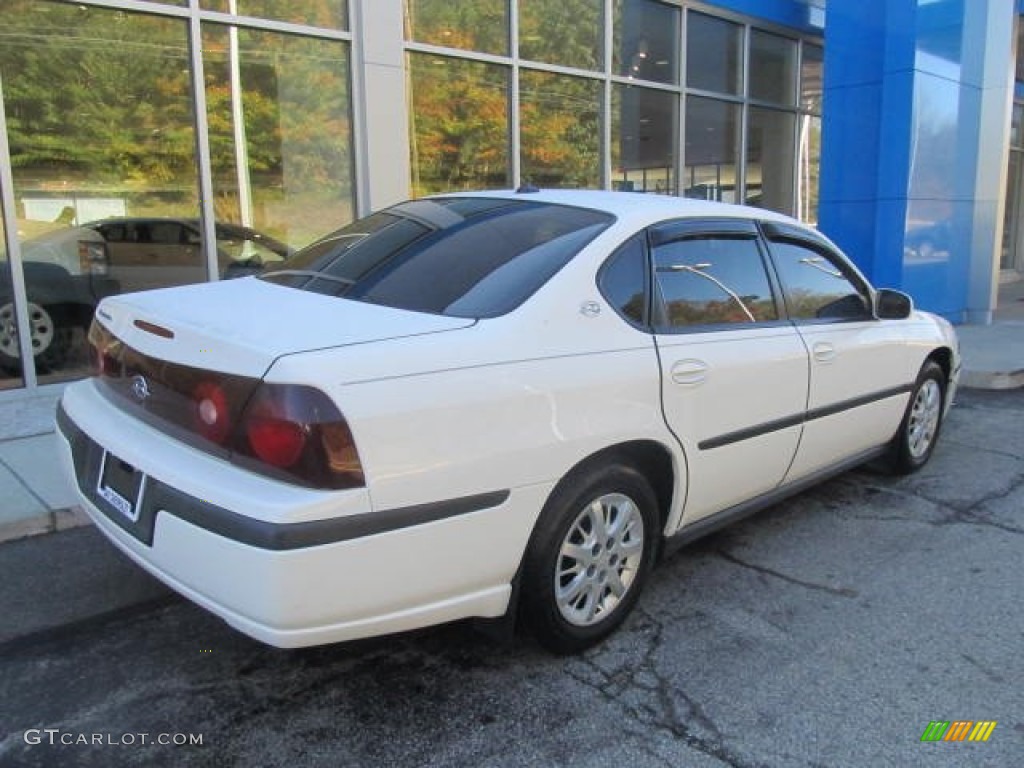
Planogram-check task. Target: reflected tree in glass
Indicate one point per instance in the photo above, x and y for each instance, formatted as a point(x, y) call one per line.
point(100, 123)
point(459, 124)
point(473, 25)
point(560, 129)
point(332, 14)
point(286, 168)
point(566, 32)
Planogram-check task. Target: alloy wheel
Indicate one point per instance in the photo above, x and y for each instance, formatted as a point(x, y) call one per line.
point(599, 559)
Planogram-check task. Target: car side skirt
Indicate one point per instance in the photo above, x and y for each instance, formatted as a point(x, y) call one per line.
point(712, 523)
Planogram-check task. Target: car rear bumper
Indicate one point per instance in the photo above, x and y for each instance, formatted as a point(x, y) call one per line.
point(286, 565)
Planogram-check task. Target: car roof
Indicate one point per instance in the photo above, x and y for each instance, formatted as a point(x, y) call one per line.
point(635, 204)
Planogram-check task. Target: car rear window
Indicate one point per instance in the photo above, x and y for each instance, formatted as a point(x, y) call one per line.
point(462, 257)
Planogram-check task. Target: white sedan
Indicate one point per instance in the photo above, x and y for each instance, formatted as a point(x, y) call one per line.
point(489, 405)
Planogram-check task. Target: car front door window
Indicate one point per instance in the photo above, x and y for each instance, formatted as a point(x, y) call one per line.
point(817, 288)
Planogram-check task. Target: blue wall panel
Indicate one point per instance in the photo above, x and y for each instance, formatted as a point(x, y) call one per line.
point(903, 137)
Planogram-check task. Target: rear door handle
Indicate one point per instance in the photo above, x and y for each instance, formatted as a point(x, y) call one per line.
point(824, 352)
point(689, 372)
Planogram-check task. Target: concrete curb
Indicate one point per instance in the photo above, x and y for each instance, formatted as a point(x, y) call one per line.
point(50, 521)
point(998, 380)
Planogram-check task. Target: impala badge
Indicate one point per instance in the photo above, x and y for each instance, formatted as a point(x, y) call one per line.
point(590, 309)
point(140, 388)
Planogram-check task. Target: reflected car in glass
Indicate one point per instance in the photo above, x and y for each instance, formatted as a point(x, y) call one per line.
point(67, 272)
point(145, 253)
point(501, 405)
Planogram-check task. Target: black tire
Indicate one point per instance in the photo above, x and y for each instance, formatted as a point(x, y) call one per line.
point(563, 618)
point(915, 440)
point(50, 333)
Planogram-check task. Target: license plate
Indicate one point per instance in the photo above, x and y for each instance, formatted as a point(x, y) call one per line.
point(120, 484)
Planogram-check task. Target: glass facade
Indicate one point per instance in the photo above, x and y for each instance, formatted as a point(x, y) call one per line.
point(560, 118)
point(10, 348)
point(1011, 255)
point(278, 110)
point(565, 32)
point(104, 129)
point(471, 25)
point(582, 100)
point(162, 143)
point(460, 124)
point(315, 13)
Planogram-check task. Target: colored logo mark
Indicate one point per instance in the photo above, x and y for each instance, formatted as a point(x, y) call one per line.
point(958, 730)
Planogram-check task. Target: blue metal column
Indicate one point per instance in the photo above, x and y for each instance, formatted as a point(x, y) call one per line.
point(915, 135)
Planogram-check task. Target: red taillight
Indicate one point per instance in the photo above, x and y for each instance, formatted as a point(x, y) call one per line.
point(291, 432)
point(299, 430)
point(276, 441)
point(213, 415)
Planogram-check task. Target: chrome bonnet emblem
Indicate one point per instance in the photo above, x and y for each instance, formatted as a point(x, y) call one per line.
point(140, 388)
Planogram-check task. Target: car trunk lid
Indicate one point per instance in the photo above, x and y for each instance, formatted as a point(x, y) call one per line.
point(241, 326)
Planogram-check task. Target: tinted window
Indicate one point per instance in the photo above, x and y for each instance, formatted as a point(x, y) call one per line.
point(816, 287)
point(712, 281)
point(623, 279)
point(459, 256)
point(165, 233)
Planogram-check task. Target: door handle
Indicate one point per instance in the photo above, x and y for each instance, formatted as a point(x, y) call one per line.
point(824, 352)
point(689, 372)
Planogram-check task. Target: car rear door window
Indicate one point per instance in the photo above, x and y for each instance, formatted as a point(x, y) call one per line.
point(817, 285)
point(714, 280)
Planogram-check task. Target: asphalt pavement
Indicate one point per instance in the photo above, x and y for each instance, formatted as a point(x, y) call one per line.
point(830, 630)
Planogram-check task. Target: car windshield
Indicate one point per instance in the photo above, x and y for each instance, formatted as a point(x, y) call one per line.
point(461, 256)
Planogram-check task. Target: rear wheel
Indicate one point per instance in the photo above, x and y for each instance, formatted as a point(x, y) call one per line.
point(589, 557)
point(49, 335)
point(915, 441)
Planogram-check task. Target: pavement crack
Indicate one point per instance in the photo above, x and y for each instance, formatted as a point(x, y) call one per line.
point(839, 592)
point(992, 676)
point(985, 449)
point(652, 699)
point(955, 514)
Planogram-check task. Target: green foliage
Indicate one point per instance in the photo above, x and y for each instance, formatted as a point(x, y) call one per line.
point(96, 94)
point(566, 32)
point(99, 100)
point(475, 25)
point(560, 126)
point(459, 124)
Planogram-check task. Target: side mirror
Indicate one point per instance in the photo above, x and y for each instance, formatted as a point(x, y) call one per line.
point(893, 305)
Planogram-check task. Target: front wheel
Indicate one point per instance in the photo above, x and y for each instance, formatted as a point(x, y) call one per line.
point(589, 557)
point(919, 431)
